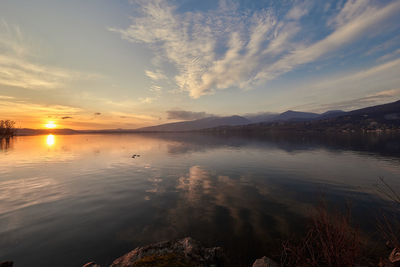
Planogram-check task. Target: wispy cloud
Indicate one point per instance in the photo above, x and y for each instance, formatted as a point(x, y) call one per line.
point(227, 47)
point(375, 85)
point(134, 119)
point(18, 66)
point(21, 73)
point(6, 97)
point(158, 75)
point(386, 45)
point(389, 56)
point(369, 100)
point(12, 40)
point(16, 107)
point(147, 100)
point(155, 88)
point(356, 18)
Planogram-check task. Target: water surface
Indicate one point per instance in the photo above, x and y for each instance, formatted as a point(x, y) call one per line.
point(67, 200)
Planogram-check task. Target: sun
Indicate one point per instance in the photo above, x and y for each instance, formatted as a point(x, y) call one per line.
point(50, 125)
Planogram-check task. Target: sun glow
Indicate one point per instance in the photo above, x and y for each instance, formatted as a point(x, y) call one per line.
point(50, 140)
point(50, 125)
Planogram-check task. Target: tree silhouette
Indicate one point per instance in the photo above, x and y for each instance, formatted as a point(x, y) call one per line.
point(7, 128)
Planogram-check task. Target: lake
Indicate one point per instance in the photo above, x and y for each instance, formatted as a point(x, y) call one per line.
point(67, 200)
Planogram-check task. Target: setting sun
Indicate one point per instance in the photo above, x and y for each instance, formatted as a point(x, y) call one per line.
point(50, 125)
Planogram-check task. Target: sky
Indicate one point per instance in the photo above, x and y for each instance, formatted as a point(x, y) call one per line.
point(104, 64)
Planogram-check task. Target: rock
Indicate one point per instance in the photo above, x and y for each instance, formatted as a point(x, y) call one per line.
point(184, 252)
point(265, 262)
point(6, 264)
point(394, 257)
point(91, 264)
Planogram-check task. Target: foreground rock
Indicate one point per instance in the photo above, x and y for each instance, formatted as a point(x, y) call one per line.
point(265, 262)
point(394, 257)
point(182, 253)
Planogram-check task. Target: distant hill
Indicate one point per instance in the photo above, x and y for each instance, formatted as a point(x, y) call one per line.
point(197, 124)
point(27, 131)
point(379, 118)
point(291, 115)
point(390, 111)
point(261, 117)
point(211, 122)
point(331, 114)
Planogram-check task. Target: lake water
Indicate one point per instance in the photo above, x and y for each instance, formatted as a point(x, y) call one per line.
point(68, 200)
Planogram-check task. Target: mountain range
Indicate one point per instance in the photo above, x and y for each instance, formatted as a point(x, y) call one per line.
point(385, 116)
point(380, 117)
point(197, 124)
point(236, 120)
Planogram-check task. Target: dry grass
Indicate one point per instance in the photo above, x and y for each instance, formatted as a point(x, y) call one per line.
point(388, 223)
point(330, 241)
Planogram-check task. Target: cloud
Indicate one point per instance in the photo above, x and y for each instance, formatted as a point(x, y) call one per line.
point(11, 39)
point(66, 117)
point(228, 47)
point(97, 113)
point(189, 41)
point(350, 24)
point(298, 11)
point(186, 115)
point(155, 88)
point(376, 85)
point(18, 65)
point(386, 45)
point(369, 100)
point(370, 78)
point(21, 108)
point(6, 97)
point(158, 75)
point(134, 118)
point(21, 73)
point(388, 56)
point(387, 93)
point(147, 100)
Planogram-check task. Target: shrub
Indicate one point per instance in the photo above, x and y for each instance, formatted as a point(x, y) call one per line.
point(330, 241)
point(389, 225)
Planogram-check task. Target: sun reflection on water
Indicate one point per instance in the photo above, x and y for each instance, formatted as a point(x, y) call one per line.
point(50, 140)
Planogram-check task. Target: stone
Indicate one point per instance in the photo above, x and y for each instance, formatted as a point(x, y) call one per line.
point(394, 257)
point(265, 262)
point(184, 252)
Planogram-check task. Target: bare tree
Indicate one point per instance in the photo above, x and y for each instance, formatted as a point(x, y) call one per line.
point(7, 128)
